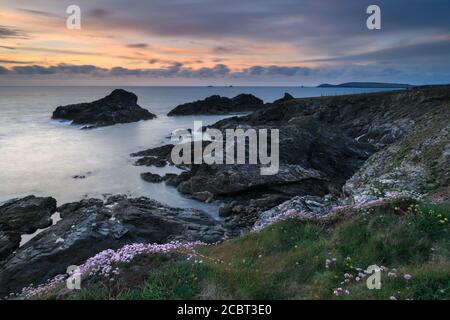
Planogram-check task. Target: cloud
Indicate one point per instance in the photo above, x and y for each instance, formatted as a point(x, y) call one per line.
point(406, 52)
point(98, 13)
point(61, 69)
point(176, 69)
point(39, 13)
point(220, 73)
point(8, 47)
point(277, 71)
point(10, 32)
point(15, 61)
point(137, 45)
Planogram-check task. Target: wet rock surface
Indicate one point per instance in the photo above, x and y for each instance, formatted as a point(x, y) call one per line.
point(151, 177)
point(92, 225)
point(23, 216)
point(118, 107)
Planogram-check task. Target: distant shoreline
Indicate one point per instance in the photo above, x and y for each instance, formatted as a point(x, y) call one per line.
point(378, 85)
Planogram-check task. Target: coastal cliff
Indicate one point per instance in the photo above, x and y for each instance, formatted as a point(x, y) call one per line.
point(356, 172)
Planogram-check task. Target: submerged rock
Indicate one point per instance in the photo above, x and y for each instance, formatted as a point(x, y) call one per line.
point(92, 225)
point(219, 105)
point(118, 107)
point(151, 177)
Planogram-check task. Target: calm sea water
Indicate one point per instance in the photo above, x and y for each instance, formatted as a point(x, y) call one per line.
point(40, 156)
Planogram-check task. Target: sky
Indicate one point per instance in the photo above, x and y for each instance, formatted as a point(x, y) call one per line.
point(226, 42)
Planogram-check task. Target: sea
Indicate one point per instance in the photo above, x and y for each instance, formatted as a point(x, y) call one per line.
point(40, 156)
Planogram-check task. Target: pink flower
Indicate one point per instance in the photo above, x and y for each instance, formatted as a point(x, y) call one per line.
point(392, 275)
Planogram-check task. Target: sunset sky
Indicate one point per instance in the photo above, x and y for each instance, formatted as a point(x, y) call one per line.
point(239, 42)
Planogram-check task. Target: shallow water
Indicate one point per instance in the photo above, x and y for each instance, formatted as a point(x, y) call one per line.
point(40, 156)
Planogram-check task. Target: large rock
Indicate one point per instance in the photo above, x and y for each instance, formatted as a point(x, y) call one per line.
point(90, 226)
point(118, 107)
point(219, 105)
point(23, 216)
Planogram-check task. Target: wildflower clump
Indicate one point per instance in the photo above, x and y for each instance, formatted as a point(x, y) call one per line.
point(106, 263)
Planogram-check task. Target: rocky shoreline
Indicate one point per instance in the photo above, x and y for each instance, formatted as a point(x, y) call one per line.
point(333, 151)
point(323, 143)
point(86, 228)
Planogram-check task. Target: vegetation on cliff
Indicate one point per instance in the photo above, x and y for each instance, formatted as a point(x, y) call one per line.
point(299, 257)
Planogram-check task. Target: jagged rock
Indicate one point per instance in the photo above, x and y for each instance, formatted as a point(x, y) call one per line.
point(158, 157)
point(26, 215)
point(151, 161)
point(174, 179)
point(309, 204)
point(312, 163)
point(23, 216)
point(9, 241)
point(118, 107)
point(151, 177)
point(417, 165)
point(286, 97)
point(375, 118)
point(219, 105)
point(162, 152)
point(90, 226)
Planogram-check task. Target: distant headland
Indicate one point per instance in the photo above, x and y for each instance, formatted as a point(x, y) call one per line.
point(366, 85)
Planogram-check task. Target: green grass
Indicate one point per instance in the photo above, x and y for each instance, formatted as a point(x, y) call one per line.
point(287, 260)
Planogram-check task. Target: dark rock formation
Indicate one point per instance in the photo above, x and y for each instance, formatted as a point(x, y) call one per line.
point(158, 157)
point(118, 107)
point(151, 177)
point(151, 161)
point(323, 142)
point(219, 105)
point(23, 216)
point(286, 97)
point(314, 160)
point(90, 226)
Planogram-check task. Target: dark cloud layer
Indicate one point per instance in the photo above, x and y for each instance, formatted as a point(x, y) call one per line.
point(179, 71)
point(11, 32)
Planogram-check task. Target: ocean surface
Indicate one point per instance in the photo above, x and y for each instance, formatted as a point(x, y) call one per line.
point(40, 156)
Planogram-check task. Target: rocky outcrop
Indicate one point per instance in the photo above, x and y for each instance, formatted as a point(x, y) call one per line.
point(308, 204)
point(158, 157)
point(378, 119)
point(286, 97)
point(23, 216)
point(417, 165)
point(219, 105)
point(118, 107)
point(324, 141)
point(90, 226)
point(314, 160)
point(151, 177)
